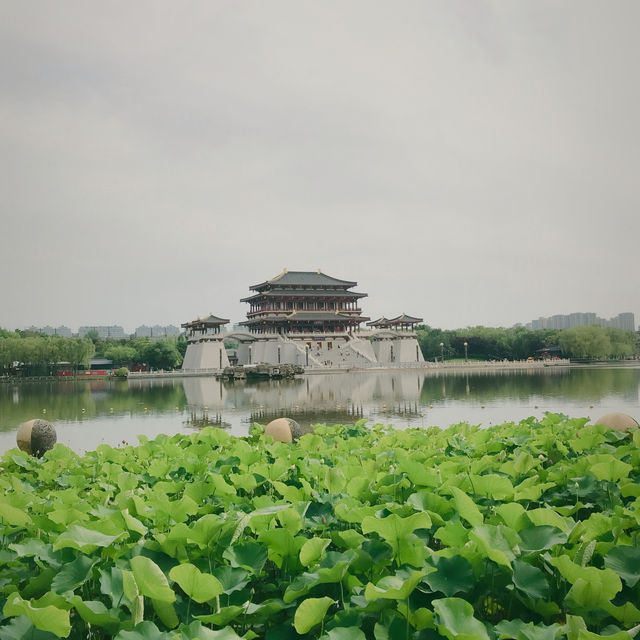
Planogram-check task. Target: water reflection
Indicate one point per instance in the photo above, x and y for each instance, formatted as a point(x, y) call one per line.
point(411, 397)
point(200, 419)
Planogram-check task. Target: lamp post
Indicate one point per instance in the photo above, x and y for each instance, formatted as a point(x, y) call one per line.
point(466, 344)
point(249, 354)
point(442, 352)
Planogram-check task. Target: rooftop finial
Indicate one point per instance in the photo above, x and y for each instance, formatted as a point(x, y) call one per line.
point(284, 270)
point(319, 271)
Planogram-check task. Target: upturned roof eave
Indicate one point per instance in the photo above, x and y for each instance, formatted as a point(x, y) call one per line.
point(319, 293)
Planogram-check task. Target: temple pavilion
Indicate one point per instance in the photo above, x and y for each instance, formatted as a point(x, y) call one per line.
point(201, 328)
point(205, 348)
point(303, 302)
point(403, 322)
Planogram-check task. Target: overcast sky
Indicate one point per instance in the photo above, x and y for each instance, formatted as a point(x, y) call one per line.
point(469, 162)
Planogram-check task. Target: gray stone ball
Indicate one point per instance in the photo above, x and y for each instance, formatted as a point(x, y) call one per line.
point(36, 437)
point(618, 421)
point(286, 430)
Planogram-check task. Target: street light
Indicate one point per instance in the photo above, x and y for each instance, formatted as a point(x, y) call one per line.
point(442, 352)
point(466, 359)
point(249, 354)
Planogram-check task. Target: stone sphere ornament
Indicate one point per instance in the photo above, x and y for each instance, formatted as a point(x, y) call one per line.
point(36, 437)
point(618, 421)
point(286, 430)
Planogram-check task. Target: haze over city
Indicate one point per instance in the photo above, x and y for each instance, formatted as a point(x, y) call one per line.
point(471, 163)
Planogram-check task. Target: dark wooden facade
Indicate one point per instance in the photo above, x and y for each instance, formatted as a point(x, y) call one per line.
point(304, 302)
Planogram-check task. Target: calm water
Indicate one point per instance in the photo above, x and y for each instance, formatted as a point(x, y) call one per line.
point(87, 413)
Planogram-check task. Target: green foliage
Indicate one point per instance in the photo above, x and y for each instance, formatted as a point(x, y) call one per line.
point(585, 342)
point(483, 343)
point(158, 354)
point(623, 343)
point(120, 354)
point(528, 531)
point(519, 343)
point(121, 372)
point(38, 355)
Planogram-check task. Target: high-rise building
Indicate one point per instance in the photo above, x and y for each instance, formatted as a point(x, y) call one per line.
point(63, 331)
point(624, 321)
point(157, 331)
point(103, 331)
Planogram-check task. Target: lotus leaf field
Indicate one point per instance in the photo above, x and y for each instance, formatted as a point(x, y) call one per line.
point(528, 531)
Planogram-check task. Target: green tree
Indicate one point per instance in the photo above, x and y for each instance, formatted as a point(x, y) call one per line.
point(181, 345)
point(7, 352)
point(163, 354)
point(120, 354)
point(585, 342)
point(78, 352)
point(623, 343)
point(429, 340)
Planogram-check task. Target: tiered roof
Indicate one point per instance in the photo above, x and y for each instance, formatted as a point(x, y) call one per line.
point(402, 320)
point(303, 279)
point(301, 301)
point(304, 293)
point(205, 323)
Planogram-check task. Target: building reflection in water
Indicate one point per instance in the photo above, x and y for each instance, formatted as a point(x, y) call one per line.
point(198, 419)
point(404, 396)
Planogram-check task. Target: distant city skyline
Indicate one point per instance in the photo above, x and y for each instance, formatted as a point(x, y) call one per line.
point(623, 320)
point(109, 331)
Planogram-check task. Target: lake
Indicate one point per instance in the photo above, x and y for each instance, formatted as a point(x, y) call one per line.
point(87, 413)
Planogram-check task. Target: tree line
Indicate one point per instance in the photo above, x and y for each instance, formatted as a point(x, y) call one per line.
point(36, 355)
point(39, 355)
point(520, 343)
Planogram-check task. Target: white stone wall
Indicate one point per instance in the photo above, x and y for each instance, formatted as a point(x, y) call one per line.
point(405, 350)
point(205, 355)
point(341, 350)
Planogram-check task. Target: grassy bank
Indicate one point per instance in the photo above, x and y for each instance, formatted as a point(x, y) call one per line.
point(527, 531)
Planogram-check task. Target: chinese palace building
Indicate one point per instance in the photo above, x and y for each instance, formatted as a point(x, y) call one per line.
point(306, 318)
point(303, 302)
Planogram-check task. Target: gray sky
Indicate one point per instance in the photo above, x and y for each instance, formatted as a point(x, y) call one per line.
point(470, 162)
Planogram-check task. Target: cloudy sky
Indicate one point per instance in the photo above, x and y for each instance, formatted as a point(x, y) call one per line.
point(470, 162)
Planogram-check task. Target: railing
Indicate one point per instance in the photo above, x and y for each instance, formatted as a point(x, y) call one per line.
point(175, 373)
point(471, 364)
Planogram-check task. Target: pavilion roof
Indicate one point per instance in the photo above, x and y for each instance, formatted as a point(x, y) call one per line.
point(380, 322)
point(305, 293)
point(208, 321)
point(303, 279)
point(404, 319)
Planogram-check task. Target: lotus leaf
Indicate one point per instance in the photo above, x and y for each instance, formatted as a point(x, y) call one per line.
point(311, 613)
point(48, 618)
point(197, 585)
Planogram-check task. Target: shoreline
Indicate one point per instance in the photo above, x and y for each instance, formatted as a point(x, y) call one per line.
point(457, 366)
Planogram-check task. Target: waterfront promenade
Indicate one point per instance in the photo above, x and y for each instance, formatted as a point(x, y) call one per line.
point(456, 365)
